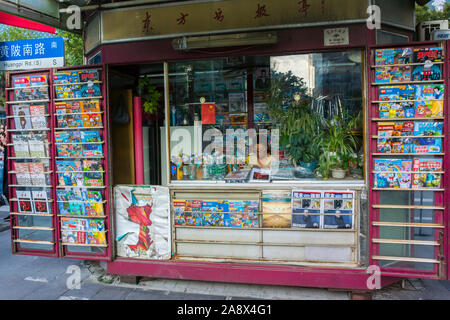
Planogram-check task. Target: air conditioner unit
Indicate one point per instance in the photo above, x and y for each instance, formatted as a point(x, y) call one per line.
point(426, 28)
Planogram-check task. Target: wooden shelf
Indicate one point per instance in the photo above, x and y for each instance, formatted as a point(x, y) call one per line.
point(413, 242)
point(19, 88)
point(406, 119)
point(81, 216)
point(408, 189)
point(29, 186)
point(406, 137)
point(403, 64)
point(33, 241)
point(417, 172)
point(62, 158)
point(77, 113)
point(84, 98)
point(407, 224)
point(31, 214)
point(28, 101)
point(391, 206)
point(406, 82)
point(29, 116)
point(34, 228)
point(408, 154)
point(399, 101)
point(83, 187)
point(405, 259)
point(75, 83)
point(84, 245)
point(71, 143)
point(78, 128)
point(22, 130)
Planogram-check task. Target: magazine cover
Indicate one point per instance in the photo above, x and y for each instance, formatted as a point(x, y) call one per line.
point(92, 150)
point(20, 143)
point(179, 207)
point(22, 173)
point(40, 201)
point(426, 72)
point(22, 119)
point(25, 202)
point(90, 89)
point(422, 55)
point(88, 75)
point(212, 215)
point(276, 209)
point(426, 173)
point(68, 165)
point(90, 136)
point(74, 237)
point(96, 237)
point(393, 74)
point(92, 165)
point(392, 173)
point(37, 173)
point(36, 145)
point(393, 56)
point(338, 209)
point(426, 105)
point(92, 120)
point(427, 142)
point(90, 106)
point(93, 179)
point(143, 227)
point(39, 88)
point(22, 90)
point(307, 205)
point(37, 115)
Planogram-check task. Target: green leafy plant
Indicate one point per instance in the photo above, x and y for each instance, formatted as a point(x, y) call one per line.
point(298, 123)
point(338, 141)
point(149, 94)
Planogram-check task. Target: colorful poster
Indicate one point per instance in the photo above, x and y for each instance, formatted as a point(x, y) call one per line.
point(208, 113)
point(142, 215)
point(306, 209)
point(338, 207)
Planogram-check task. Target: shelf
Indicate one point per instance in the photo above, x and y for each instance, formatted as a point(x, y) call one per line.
point(406, 259)
point(26, 143)
point(15, 172)
point(78, 128)
point(409, 154)
point(408, 189)
point(75, 113)
point(27, 101)
point(85, 201)
point(81, 216)
point(71, 143)
point(85, 245)
point(413, 242)
point(84, 98)
point(29, 116)
point(80, 171)
point(398, 101)
point(19, 88)
point(387, 206)
point(27, 158)
point(62, 158)
point(406, 82)
point(266, 229)
point(75, 83)
point(34, 228)
point(406, 119)
point(34, 241)
point(28, 186)
point(403, 64)
point(406, 137)
point(407, 224)
point(15, 199)
point(31, 214)
point(84, 187)
point(417, 172)
point(21, 130)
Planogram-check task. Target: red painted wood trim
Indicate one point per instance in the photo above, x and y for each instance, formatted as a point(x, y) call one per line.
point(15, 21)
point(138, 142)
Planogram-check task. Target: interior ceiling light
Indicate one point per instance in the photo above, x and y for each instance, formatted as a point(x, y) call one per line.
point(227, 40)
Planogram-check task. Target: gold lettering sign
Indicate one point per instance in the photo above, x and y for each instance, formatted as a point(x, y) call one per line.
point(220, 16)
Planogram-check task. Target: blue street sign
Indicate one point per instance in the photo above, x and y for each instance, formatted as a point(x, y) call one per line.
point(32, 54)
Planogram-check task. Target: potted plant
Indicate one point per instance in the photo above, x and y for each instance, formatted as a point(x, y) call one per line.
point(338, 142)
point(299, 124)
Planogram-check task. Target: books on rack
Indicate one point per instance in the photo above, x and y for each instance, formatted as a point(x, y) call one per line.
point(393, 56)
point(276, 209)
point(22, 173)
point(22, 119)
point(37, 145)
point(37, 174)
point(22, 90)
point(395, 68)
point(67, 85)
point(38, 119)
point(392, 173)
point(75, 201)
point(212, 213)
point(83, 231)
point(338, 207)
point(40, 201)
point(39, 88)
point(430, 100)
point(241, 213)
point(24, 200)
point(76, 144)
point(306, 209)
point(78, 114)
point(425, 173)
point(20, 143)
point(425, 137)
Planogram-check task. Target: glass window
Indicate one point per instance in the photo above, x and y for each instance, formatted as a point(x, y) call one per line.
point(267, 118)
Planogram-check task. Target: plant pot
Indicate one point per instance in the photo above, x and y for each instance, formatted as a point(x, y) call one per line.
point(338, 173)
point(310, 166)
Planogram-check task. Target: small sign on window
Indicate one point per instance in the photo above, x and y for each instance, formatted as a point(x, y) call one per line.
point(335, 37)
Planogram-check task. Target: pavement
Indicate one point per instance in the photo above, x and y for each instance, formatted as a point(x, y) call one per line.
point(24, 277)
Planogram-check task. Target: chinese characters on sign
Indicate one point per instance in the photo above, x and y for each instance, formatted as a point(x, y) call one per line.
point(182, 18)
point(146, 22)
point(261, 11)
point(335, 37)
point(304, 6)
point(219, 15)
point(32, 54)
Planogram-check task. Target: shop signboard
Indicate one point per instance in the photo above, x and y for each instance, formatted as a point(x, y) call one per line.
point(142, 222)
point(32, 54)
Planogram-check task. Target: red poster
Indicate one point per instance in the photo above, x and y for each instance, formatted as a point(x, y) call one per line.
point(208, 113)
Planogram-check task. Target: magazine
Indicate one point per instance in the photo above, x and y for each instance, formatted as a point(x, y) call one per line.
point(88, 75)
point(37, 173)
point(338, 209)
point(422, 55)
point(36, 145)
point(276, 209)
point(39, 88)
point(308, 204)
point(22, 173)
point(428, 140)
point(393, 56)
point(22, 119)
point(426, 105)
point(393, 74)
point(20, 143)
point(178, 212)
point(37, 115)
point(40, 201)
point(22, 90)
point(425, 173)
point(237, 102)
point(25, 201)
point(392, 173)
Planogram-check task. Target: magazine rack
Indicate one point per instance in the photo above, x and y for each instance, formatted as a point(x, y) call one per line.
point(408, 173)
point(77, 221)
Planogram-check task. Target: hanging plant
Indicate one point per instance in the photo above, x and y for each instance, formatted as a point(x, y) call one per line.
point(149, 94)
